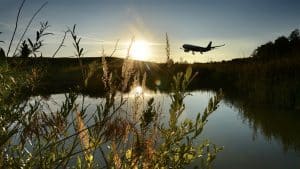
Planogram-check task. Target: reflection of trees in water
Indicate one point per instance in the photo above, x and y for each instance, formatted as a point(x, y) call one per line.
point(281, 125)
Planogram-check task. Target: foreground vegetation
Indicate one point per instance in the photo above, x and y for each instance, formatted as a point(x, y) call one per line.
point(114, 135)
point(34, 136)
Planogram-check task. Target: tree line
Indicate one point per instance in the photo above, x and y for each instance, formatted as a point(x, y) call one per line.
point(282, 47)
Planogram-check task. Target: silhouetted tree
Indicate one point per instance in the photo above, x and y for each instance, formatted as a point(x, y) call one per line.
point(282, 45)
point(264, 51)
point(25, 51)
point(295, 35)
point(295, 42)
point(281, 48)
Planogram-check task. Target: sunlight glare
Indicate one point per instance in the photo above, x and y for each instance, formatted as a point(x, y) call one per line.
point(140, 50)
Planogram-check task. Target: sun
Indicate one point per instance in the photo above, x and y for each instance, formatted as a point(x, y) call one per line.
point(140, 50)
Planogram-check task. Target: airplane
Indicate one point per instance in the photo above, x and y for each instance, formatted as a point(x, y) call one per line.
point(193, 48)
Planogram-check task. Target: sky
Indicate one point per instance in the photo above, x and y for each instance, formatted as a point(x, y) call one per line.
point(242, 25)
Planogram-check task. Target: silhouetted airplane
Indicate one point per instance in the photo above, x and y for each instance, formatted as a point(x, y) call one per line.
point(193, 48)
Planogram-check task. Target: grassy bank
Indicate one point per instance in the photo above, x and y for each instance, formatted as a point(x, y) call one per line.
point(274, 82)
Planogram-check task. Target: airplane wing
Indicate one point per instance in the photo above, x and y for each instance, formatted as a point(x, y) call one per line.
point(217, 46)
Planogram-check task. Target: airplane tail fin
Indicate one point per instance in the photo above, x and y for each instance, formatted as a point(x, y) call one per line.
point(209, 45)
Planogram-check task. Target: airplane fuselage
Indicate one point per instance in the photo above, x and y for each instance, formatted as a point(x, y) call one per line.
point(193, 48)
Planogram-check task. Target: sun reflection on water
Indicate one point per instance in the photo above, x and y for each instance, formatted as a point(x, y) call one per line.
point(138, 90)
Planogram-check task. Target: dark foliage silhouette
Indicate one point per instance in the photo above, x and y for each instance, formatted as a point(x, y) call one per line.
point(282, 47)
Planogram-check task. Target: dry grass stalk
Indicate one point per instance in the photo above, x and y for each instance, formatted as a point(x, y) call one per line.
point(144, 80)
point(167, 48)
point(116, 157)
point(127, 72)
point(118, 129)
point(83, 136)
point(128, 69)
point(149, 153)
point(106, 78)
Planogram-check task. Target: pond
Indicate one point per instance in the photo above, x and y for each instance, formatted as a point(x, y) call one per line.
point(253, 136)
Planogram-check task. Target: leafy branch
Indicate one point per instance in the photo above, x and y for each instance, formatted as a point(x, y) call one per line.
point(79, 50)
point(35, 46)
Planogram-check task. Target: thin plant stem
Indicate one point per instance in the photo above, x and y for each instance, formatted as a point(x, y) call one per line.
point(129, 48)
point(115, 48)
point(61, 44)
point(29, 23)
point(16, 27)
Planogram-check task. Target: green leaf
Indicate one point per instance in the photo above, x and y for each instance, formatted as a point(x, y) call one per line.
point(188, 73)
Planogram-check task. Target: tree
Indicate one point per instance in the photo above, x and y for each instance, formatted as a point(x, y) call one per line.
point(282, 45)
point(25, 51)
point(295, 41)
point(295, 35)
point(264, 51)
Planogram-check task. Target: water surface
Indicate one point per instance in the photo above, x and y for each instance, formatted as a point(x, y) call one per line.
point(253, 137)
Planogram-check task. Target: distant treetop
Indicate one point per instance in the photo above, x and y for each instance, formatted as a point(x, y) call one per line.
point(280, 48)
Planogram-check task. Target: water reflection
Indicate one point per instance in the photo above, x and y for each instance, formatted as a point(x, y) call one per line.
point(275, 124)
point(253, 136)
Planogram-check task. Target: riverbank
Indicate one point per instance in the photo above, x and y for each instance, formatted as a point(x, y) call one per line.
point(273, 82)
